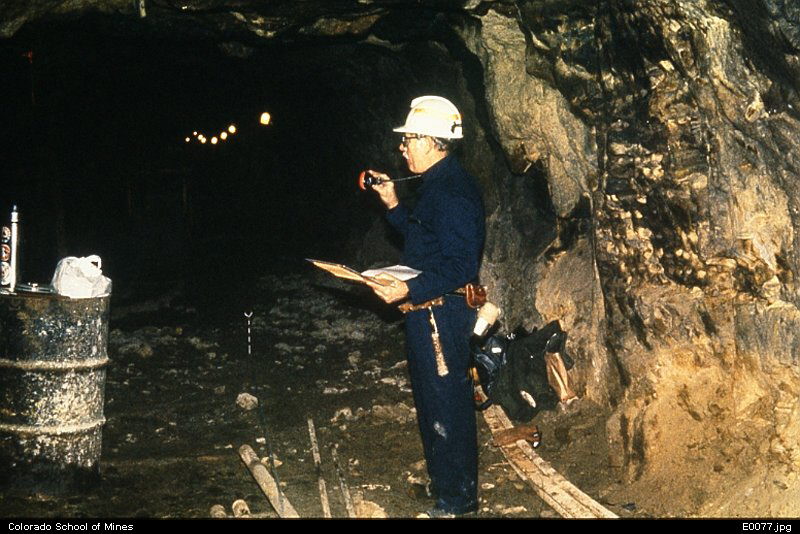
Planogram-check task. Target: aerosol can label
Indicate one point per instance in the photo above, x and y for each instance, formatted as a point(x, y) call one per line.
point(5, 256)
point(8, 252)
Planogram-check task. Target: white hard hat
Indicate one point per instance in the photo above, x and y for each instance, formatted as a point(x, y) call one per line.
point(434, 116)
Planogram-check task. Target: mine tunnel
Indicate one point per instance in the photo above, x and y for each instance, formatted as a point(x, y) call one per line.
point(112, 109)
point(637, 167)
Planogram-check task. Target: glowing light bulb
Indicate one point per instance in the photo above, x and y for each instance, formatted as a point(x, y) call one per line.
point(232, 129)
point(223, 135)
point(194, 134)
point(203, 140)
point(214, 140)
point(265, 118)
point(188, 139)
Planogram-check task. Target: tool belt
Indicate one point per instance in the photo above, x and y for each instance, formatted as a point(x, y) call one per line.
point(474, 295)
point(438, 351)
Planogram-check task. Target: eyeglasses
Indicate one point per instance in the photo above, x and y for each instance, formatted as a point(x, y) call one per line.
point(408, 137)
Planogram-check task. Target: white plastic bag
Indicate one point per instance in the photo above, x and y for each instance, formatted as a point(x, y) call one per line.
point(81, 278)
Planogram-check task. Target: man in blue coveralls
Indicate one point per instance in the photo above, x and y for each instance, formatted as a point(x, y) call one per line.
point(443, 238)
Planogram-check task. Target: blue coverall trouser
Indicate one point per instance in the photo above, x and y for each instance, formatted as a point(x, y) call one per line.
point(445, 406)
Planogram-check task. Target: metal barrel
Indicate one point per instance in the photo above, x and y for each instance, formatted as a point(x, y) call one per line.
point(52, 383)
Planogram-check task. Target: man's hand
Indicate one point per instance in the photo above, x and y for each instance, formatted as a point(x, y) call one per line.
point(385, 190)
point(388, 288)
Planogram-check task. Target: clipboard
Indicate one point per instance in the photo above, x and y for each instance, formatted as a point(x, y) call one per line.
point(338, 270)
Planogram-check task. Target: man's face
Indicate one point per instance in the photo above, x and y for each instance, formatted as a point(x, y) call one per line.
point(413, 148)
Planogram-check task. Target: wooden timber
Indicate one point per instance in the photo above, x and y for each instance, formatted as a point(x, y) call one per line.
point(323, 490)
point(267, 484)
point(558, 492)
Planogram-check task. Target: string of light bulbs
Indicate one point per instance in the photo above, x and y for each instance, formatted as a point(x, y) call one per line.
point(201, 138)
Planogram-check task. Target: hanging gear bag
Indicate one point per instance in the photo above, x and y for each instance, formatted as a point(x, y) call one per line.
point(524, 373)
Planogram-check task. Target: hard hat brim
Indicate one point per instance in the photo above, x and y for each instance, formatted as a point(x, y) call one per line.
point(406, 129)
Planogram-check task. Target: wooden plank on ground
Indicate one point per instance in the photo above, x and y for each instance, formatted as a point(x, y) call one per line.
point(558, 492)
point(323, 490)
point(348, 501)
point(267, 484)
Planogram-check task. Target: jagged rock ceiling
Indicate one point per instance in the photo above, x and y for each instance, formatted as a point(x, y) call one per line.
point(280, 19)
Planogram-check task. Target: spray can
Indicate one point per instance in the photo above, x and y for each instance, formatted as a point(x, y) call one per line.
point(9, 237)
point(14, 246)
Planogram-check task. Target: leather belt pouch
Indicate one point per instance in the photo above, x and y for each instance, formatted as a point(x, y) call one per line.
point(475, 295)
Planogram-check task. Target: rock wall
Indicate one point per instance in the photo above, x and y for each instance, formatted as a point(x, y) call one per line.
point(668, 138)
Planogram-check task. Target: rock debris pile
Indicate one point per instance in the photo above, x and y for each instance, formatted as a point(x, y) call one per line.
point(311, 326)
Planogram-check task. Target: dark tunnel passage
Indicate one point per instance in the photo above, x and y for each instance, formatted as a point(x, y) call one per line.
point(97, 157)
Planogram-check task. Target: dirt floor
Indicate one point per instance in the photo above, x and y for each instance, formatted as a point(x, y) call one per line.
point(319, 350)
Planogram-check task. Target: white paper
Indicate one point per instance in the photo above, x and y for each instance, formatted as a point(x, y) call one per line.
point(402, 272)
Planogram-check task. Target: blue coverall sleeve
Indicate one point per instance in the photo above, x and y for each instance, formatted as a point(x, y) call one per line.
point(458, 226)
point(398, 218)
